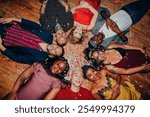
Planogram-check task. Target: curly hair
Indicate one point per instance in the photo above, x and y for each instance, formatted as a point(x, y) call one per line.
point(85, 68)
point(48, 63)
point(88, 56)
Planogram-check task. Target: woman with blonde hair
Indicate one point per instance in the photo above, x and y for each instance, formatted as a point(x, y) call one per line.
point(85, 15)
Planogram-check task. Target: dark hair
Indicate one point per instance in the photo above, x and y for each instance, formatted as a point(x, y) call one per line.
point(91, 42)
point(56, 55)
point(49, 62)
point(85, 69)
point(88, 56)
point(59, 43)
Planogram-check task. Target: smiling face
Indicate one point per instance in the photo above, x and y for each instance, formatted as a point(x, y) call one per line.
point(92, 74)
point(98, 38)
point(55, 50)
point(58, 67)
point(77, 77)
point(77, 33)
point(61, 37)
point(98, 55)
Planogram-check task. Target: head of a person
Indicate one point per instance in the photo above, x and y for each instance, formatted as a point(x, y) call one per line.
point(75, 36)
point(97, 54)
point(90, 73)
point(60, 37)
point(96, 40)
point(55, 50)
point(57, 67)
point(76, 77)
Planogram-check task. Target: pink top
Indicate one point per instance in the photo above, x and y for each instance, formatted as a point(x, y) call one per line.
point(39, 85)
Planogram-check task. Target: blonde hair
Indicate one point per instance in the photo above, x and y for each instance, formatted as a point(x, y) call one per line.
point(78, 70)
point(74, 40)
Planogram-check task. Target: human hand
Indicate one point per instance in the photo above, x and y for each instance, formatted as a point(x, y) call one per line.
point(5, 20)
point(66, 7)
point(1, 40)
point(13, 96)
point(143, 50)
point(43, 6)
point(147, 66)
point(116, 88)
point(44, 3)
point(112, 25)
point(2, 48)
point(115, 92)
point(109, 23)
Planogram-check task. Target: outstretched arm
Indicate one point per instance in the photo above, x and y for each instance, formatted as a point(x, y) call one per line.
point(9, 20)
point(133, 70)
point(65, 4)
point(94, 18)
point(116, 88)
point(73, 9)
point(52, 94)
point(2, 48)
point(113, 26)
point(43, 6)
point(95, 15)
point(24, 76)
point(126, 46)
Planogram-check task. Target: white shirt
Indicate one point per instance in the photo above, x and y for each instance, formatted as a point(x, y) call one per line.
point(122, 19)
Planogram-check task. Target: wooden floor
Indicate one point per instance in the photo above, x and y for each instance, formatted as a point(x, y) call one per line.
point(9, 71)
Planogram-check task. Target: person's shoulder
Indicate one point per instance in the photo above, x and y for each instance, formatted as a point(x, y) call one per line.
point(86, 94)
point(37, 66)
point(84, 90)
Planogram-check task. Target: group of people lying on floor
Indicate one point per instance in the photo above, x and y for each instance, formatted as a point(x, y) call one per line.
point(41, 46)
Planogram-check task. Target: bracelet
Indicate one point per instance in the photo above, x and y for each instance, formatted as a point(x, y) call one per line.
point(122, 36)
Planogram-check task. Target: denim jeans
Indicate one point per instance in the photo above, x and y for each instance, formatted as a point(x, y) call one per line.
point(100, 20)
point(137, 9)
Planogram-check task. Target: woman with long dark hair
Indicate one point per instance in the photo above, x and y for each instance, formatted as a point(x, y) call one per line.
point(108, 86)
point(41, 80)
point(119, 58)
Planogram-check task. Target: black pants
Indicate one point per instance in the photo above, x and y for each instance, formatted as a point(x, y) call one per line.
point(137, 9)
point(55, 13)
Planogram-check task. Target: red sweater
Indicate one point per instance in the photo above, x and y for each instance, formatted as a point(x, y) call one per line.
point(68, 94)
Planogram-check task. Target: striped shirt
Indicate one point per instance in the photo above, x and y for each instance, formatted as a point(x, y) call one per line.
point(16, 36)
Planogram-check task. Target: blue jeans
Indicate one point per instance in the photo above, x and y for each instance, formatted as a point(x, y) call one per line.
point(137, 9)
point(100, 20)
